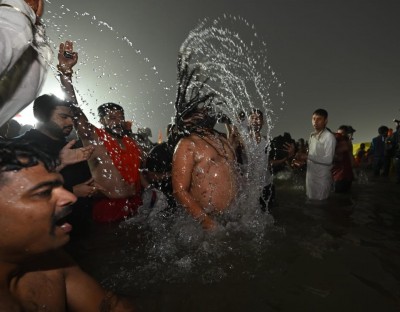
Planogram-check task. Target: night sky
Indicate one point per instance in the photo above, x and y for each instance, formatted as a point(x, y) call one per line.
point(341, 55)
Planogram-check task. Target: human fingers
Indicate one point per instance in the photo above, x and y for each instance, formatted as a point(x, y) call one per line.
point(86, 152)
point(61, 47)
point(69, 144)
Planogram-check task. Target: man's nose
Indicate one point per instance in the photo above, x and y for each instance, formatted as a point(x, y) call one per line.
point(70, 121)
point(64, 197)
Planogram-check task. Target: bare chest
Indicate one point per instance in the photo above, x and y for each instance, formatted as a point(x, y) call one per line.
point(40, 292)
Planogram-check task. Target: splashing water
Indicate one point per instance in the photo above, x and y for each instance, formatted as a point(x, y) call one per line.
point(232, 55)
point(175, 244)
point(234, 58)
point(111, 68)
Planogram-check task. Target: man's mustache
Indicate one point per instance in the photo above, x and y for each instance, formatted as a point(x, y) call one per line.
point(59, 216)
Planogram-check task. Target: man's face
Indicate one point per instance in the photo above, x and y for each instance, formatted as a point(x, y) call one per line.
point(256, 122)
point(33, 205)
point(61, 122)
point(114, 121)
point(319, 122)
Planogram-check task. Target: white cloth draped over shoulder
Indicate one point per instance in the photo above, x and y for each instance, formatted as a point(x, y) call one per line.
point(319, 163)
point(24, 55)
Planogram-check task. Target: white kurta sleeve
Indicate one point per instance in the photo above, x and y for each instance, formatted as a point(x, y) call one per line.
point(22, 70)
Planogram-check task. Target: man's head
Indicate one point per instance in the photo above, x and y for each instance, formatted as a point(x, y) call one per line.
point(203, 117)
point(33, 203)
point(383, 131)
point(256, 120)
point(343, 130)
point(112, 118)
point(55, 115)
point(320, 119)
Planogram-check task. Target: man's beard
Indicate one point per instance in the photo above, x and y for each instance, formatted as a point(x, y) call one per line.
point(119, 133)
point(57, 131)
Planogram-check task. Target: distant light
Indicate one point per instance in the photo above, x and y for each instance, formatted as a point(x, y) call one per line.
point(25, 117)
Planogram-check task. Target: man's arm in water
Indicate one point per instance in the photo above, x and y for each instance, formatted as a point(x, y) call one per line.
point(182, 170)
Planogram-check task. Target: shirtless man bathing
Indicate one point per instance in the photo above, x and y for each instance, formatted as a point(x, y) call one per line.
point(35, 273)
point(204, 172)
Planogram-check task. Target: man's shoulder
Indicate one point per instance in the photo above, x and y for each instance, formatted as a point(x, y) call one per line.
point(36, 137)
point(188, 142)
point(29, 135)
point(328, 134)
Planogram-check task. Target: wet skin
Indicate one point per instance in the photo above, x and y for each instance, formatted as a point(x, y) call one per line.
point(106, 176)
point(34, 197)
point(35, 274)
point(204, 176)
point(30, 225)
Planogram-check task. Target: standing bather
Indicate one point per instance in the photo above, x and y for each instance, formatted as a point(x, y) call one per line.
point(320, 155)
point(204, 169)
point(116, 159)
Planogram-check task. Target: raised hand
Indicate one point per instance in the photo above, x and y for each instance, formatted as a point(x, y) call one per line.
point(69, 155)
point(67, 58)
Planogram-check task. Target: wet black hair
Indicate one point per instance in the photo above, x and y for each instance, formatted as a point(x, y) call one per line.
point(105, 108)
point(44, 106)
point(15, 155)
point(192, 97)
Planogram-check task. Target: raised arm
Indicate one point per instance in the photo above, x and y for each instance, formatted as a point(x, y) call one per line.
point(67, 59)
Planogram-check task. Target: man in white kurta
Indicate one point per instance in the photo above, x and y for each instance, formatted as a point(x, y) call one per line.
point(24, 55)
point(319, 163)
point(321, 151)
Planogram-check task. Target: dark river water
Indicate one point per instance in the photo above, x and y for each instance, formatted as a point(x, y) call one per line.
point(339, 255)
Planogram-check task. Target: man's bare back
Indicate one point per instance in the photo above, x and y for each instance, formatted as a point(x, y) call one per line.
point(204, 175)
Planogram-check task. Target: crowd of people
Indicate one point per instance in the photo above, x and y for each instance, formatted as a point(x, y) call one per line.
point(50, 184)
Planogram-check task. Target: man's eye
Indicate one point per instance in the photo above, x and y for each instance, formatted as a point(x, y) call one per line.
point(44, 193)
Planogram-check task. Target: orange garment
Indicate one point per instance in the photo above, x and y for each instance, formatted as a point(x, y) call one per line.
point(115, 209)
point(127, 161)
